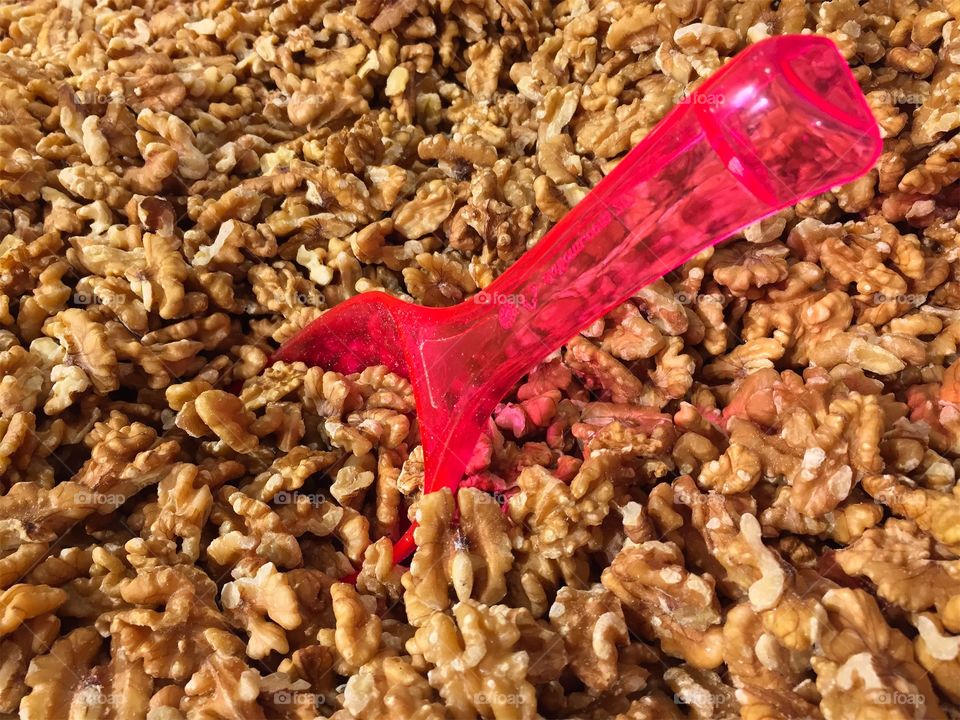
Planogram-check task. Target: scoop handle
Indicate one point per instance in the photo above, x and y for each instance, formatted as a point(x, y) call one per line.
point(783, 121)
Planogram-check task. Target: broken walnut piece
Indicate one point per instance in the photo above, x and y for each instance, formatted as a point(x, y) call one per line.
point(477, 666)
point(938, 651)
point(386, 688)
point(473, 557)
point(733, 537)
point(359, 628)
point(864, 663)
point(592, 625)
point(900, 561)
point(934, 511)
point(677, 607)
point(264, 605)
point(186, 608)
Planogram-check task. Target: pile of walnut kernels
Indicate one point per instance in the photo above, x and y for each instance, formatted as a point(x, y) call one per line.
point(733, 497)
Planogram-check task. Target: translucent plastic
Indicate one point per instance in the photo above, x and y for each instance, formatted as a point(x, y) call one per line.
point(781, 122)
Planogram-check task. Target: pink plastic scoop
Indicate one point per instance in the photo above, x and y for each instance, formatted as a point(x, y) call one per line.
point(783, 121)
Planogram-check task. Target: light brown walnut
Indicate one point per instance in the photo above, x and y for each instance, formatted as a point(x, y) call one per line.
point(678, 608)
point(592, 625)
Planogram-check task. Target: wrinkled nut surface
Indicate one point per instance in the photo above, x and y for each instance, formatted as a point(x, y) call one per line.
point(735, 496)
